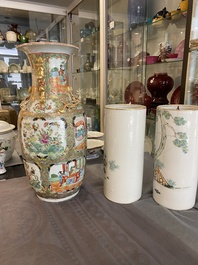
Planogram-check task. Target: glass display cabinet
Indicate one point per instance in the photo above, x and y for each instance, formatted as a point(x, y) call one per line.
point(126, 37)
point(78, 24)
point(121, 45)
point(15, 70)
point(165, 65)
point(144, 38)
point(190, 92)
point(166, 35)
point(84, 28)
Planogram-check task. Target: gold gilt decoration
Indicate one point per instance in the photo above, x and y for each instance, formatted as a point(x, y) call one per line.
point(40, 79)
point(73, 101)
point(160, 178)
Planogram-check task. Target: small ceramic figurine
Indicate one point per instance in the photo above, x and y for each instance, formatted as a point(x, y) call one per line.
point(162, 53)
point(15, 28)
point(162, 14)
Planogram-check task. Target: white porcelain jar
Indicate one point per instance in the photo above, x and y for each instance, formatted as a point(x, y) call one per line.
point(7, 138)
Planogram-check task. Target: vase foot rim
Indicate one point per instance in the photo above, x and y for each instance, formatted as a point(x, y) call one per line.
point(58, 200)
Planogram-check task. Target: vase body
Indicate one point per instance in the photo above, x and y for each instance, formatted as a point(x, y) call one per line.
point(52, 125)
point(30, 35)
point(159, 85)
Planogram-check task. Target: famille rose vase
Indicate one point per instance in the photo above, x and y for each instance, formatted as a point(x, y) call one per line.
point(52, 124)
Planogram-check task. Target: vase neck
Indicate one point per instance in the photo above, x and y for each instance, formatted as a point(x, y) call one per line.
point(50, 71)
point(157, 74)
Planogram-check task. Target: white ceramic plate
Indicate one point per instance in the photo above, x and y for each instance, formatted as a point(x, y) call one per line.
point(93, 148)
point(94, 134)
point(94, 144)
point(9, 98)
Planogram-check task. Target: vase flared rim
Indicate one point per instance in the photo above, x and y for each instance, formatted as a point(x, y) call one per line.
point(47, 47)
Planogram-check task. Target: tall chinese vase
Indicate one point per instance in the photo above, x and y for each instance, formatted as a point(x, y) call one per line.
point(124, 134)
point(176, 153)
point(52, 124)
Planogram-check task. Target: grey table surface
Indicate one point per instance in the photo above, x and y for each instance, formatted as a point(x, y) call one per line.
point(89, 229)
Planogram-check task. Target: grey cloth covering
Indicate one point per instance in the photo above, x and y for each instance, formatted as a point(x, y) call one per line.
point(90, 230)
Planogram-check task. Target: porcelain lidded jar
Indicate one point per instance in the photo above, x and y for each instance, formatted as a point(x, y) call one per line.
point(52, 124)
point(7, 138)
point(159, 85)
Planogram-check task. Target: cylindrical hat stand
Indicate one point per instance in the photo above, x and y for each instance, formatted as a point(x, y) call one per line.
point(124, 134)
point(176, 156)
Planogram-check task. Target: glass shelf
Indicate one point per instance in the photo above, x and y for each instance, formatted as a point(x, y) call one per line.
point(15, 73)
